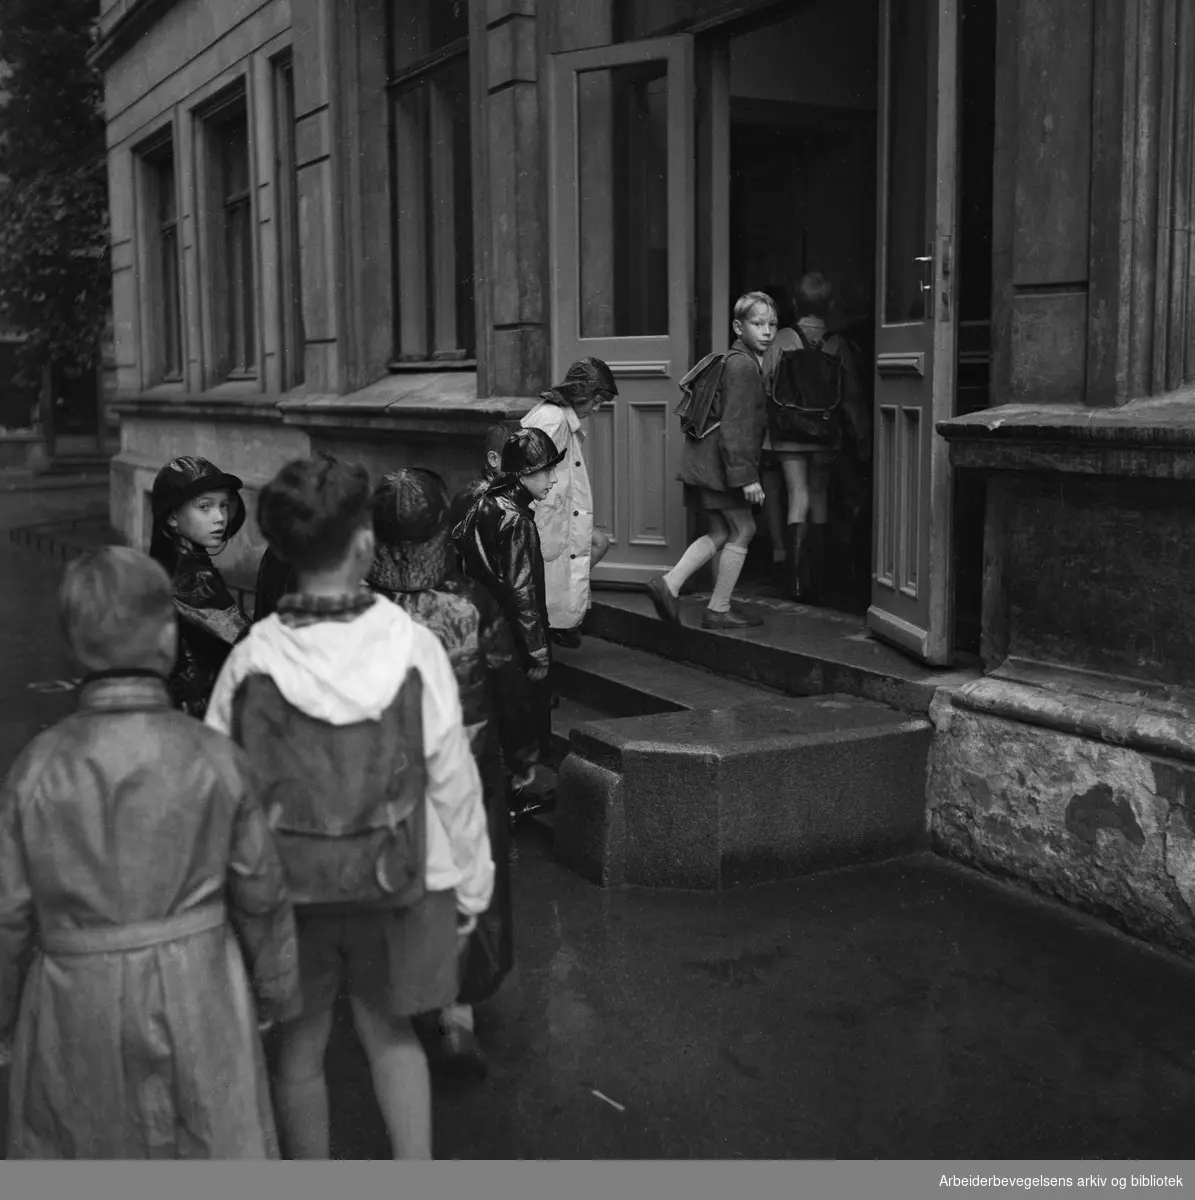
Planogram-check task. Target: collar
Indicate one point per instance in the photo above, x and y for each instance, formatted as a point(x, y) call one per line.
point(411, 566)
point(123, 690)
point(299, 608)
point(574, 421)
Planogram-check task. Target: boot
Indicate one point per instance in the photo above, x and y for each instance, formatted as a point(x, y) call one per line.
point(816, 564)
point(798, 541)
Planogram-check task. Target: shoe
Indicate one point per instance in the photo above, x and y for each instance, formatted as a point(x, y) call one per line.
point(570, 639)
point(730, 620)
point(667, 605)
point(533, 806)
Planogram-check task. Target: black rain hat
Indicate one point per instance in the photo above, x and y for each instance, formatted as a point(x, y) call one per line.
point(528, 451)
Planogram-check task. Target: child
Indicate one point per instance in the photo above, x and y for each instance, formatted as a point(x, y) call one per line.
point(350, 714)
point(129, 837)
point(807, 466)
point(499, 546)
point(571, 546)
point(721, 473)
point(415, 568)
point(197, 510)
point(496, 437)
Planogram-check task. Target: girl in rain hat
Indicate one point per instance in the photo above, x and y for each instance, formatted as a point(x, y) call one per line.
point(499, 547)
point(570, 544)
point(415, 567)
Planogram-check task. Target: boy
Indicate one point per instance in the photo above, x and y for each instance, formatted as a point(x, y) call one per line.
point(415, 567)
point(129, 838)
point(721, 473)
point(499, 546)
point(571, 546)
point(350, 713)
point(496, 437)
point(197, 510)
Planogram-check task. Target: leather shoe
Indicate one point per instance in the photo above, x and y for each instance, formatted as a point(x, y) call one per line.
point(667, 605)
point(729, 620)
point(570, 639)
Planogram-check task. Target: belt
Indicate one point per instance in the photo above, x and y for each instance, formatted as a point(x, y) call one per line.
point(113, 939)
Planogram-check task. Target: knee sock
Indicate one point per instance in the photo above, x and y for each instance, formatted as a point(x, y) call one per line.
point(729, 568)
point(693, 559)
point(302, 1111)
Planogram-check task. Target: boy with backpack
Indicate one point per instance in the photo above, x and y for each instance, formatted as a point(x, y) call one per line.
point(724, 418)
point(351, 717)
point(132, 846)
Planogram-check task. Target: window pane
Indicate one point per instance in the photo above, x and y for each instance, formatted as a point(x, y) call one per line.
point(908, 82)
point(172, 359)
point(622, 167)
point(164, 186)
point(239, 248)
point(421, 27)
point(234, 137)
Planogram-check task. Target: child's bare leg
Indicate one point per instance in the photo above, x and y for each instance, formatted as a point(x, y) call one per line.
point(796, 479)
point(300, 1090)
point(400, 1079)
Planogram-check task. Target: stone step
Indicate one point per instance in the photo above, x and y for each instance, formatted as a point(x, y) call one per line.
point(724, 796)
point(622, 681)
point(799, 651)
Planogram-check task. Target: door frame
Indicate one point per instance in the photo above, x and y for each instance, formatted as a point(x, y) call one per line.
point(933, 644)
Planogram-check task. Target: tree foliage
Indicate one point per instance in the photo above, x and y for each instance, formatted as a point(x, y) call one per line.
point(55, 283)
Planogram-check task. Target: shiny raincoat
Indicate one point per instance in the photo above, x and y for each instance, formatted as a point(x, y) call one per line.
point(498, 543)
point(210, 622)
point(495, 705)
point(129, 841)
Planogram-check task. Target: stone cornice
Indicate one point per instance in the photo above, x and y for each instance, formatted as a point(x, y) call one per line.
point(1151, 438)
point(117, 38)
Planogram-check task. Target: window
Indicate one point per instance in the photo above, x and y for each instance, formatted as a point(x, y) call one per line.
point(289, 281)
point(162, 265)
point(432, 152)
point(230, 251)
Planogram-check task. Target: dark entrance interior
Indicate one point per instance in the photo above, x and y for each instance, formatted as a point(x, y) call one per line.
point(803, 198)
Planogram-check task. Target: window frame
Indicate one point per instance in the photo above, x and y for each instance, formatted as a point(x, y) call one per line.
point(217, 272)
point(292, 339)
point(158, 170)
point(426, 192)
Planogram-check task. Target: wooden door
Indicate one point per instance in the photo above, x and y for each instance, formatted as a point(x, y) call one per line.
point(916, 325)
point(621, 182)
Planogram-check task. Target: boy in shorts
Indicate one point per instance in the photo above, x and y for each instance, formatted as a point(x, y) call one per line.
point(351, 715)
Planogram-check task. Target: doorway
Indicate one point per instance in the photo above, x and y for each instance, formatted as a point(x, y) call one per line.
point(802, 198)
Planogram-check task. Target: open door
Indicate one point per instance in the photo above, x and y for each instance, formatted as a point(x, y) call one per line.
point(621, 180)
point(916, 325)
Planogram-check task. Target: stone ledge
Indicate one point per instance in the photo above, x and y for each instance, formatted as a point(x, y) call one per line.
point(713, 799)
point(122, 25)
point(1150, 438)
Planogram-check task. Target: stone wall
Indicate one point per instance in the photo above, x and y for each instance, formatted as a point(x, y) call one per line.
point(1105, 828)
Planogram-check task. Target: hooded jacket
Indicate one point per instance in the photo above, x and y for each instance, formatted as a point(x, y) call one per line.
point(498, 543)
point(346, 671)
point(210, 622)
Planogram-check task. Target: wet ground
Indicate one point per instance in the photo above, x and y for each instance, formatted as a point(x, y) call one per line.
point(906, 1010)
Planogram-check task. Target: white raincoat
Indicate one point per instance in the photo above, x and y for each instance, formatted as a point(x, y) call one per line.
point(565, 517)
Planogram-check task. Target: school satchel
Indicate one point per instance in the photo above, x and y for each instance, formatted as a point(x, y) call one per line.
point(700, 407)
point(806, 395)
point(346, 803)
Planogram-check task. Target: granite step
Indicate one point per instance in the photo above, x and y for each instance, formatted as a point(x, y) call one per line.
point(799, 650)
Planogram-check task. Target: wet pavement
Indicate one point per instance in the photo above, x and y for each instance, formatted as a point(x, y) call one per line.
point(907, 1010)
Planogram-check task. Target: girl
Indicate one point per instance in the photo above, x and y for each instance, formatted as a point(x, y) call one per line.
point(197, 511)
point(721, 473)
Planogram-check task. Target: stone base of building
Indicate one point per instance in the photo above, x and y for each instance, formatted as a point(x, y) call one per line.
point(1087, 800)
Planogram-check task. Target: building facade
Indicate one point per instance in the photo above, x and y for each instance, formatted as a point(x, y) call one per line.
point(376, 226)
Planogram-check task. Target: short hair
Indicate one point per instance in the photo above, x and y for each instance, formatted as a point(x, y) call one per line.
point(814, 294)
point(310, 511)
point(746, 304)
point(497, 436)
point(113, 604)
